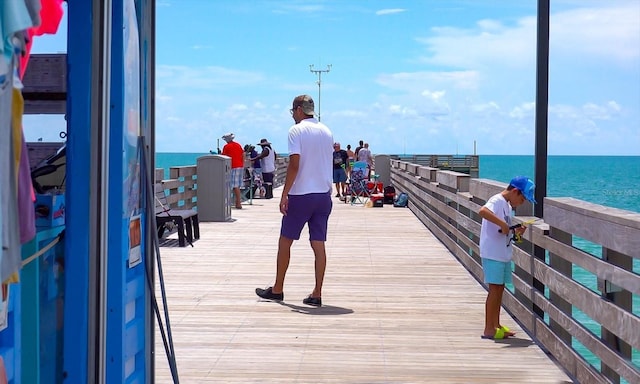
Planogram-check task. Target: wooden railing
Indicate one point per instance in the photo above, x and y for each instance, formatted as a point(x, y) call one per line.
point(182, 185)
point(469, 164)
point(447, 203)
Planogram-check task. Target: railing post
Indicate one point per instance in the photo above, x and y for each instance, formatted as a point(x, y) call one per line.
point(623, 299)
point(565, 267)
point(525, 209)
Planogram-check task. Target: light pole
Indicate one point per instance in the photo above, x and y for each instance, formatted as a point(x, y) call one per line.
point(319, 72)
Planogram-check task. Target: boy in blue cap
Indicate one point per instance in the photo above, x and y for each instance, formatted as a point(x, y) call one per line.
point(496, 249)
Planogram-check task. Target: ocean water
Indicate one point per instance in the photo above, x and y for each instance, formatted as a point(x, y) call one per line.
point(613, 181)
point(171, 159)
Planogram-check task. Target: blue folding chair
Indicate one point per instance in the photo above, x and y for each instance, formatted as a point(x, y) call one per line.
point(358, 188)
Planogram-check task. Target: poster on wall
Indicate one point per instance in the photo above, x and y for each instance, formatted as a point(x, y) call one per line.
point(4, 307)
point(131, 113)
point(135, 241)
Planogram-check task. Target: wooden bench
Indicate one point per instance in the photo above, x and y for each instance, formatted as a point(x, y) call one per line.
point(167, 218)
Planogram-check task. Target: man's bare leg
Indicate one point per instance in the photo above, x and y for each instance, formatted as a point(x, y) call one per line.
point(236, 192)
point(282, 263)
point(320, 266)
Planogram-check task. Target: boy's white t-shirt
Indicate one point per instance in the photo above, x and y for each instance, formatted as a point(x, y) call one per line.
point(313, 141)
point(493, 244)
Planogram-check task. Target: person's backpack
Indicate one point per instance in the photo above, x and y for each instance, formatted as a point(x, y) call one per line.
point(389, 193)
point(402, 200)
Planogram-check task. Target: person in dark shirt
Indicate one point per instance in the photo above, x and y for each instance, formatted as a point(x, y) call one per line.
point(358, 148)
point(340, 160)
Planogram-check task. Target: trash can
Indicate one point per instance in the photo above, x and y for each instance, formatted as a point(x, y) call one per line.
point(383, 168)
point(214, 193)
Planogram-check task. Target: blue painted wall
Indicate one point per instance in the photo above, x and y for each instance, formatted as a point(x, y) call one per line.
point(79, 63)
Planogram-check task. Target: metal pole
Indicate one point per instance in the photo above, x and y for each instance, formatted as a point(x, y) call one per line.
point(319, 73)
point(542, 113)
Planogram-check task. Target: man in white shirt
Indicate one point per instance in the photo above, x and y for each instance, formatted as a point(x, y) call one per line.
point(306, 196)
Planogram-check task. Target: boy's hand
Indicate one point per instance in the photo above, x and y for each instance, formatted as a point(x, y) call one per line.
point(520, 230)
point(504, 228)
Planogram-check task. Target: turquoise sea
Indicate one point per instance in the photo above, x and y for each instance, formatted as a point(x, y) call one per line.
point(613, 181)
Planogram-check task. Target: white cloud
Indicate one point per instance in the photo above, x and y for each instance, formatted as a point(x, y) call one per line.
point(601, 112)
point(390, 11)
point(417, 81)
point(523, 111)
point(212, 77)
point(609, 33)
point(435, 96)
point(488, 44)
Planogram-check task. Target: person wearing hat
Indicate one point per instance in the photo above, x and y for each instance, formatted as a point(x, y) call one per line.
point(496, 235)
point(256, 171)
point(235, 151)
point(268, 165)
point(306, 197)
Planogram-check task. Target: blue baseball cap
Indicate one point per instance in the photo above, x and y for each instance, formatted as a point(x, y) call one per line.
point(525, 186)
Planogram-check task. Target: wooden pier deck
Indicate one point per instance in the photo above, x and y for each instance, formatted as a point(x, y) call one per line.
point(398, 308)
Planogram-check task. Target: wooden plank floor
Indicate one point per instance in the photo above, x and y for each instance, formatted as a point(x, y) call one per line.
point(399, 308)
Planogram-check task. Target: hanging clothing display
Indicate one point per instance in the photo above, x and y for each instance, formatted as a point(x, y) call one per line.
point(15, 18)
point(20, 20)
point(26, 196)
point(9, 238)
point(49, 14)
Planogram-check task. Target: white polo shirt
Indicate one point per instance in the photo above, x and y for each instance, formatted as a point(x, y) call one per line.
point(313, 141)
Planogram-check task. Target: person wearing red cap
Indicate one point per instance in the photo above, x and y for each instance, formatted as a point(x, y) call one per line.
point(496, 234)
point(235, 151)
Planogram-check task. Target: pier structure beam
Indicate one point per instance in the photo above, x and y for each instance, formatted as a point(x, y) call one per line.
point(542, 113)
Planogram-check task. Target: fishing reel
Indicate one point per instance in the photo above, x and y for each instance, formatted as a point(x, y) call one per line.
point(515, 237)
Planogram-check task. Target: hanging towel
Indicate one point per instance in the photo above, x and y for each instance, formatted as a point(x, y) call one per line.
point(50, 17)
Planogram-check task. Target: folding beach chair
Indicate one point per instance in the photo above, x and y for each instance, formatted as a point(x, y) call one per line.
point(253, 185)
point(359, 192)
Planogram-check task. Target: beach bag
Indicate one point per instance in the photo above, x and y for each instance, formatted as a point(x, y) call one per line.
point(402, 200)
point(389, 193)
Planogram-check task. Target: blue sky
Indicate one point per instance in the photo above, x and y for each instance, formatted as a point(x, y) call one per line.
point(412, 76)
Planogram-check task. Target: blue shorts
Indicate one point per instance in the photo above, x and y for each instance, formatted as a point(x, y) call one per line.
point(339, 175)
point(312, 209)
point(496, 272)
point(236, 177)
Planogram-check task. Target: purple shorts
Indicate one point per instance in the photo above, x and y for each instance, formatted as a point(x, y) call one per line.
point(312, 209)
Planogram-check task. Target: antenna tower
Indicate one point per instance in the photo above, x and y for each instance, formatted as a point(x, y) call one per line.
point(319, 72)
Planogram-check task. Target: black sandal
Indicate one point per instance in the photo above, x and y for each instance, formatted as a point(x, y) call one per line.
point(269, 294)
point(315, 301)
